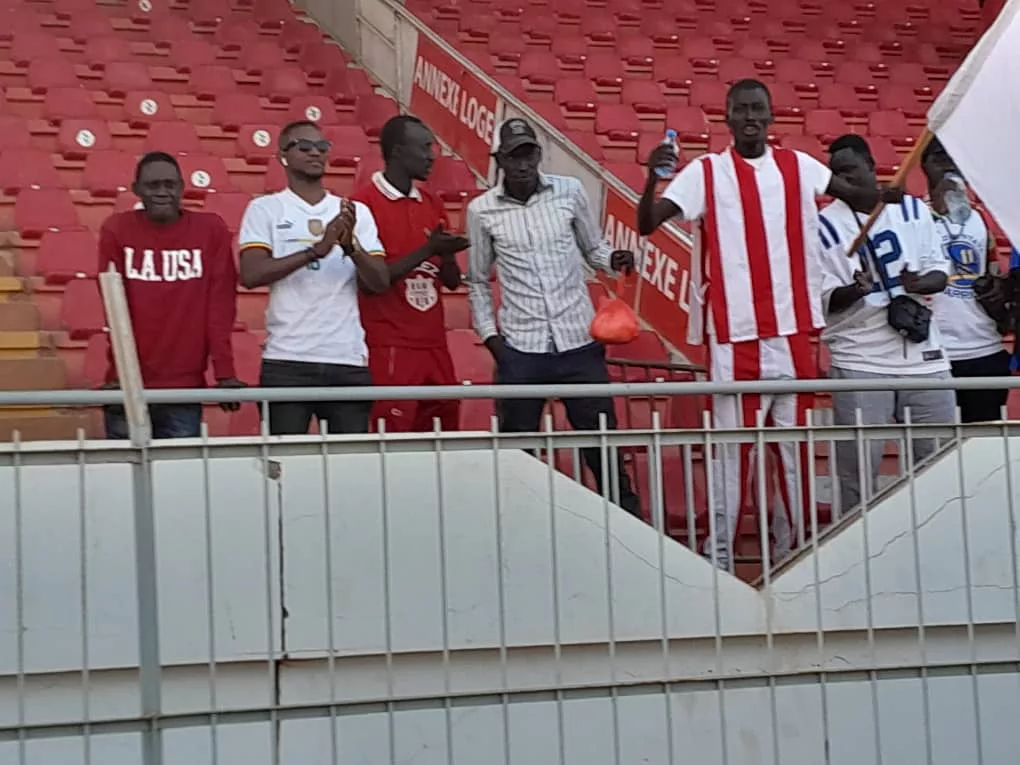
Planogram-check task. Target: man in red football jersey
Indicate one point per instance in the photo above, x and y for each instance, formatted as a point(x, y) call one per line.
point(180, 280)
point(404, 326)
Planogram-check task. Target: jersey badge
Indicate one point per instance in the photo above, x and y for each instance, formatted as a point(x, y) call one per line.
point(421, 292)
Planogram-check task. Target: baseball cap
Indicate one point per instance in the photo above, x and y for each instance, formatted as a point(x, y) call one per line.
point(515, 133)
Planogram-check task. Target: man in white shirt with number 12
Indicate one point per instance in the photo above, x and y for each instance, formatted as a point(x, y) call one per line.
point(905, 257)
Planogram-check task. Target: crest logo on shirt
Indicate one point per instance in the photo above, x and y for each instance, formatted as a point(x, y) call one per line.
point(421, 292)
point(316, 227)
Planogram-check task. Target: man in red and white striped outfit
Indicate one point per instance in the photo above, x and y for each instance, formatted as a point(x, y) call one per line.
point(755, 287)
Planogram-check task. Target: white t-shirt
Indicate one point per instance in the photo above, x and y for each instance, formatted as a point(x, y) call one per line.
point(860, 338)
point(967, 331)
point(745, 218)
point(313, 313)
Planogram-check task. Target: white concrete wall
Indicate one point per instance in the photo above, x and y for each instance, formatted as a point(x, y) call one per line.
point(269, 553)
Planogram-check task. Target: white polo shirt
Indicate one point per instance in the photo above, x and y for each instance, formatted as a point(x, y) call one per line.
point(313, 313)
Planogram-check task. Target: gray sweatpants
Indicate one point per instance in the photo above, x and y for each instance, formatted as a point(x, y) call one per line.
point(882, 408)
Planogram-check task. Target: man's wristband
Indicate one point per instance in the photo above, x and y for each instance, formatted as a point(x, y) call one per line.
point(348, 249)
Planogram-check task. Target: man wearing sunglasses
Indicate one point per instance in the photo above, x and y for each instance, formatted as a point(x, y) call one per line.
point(313, 250)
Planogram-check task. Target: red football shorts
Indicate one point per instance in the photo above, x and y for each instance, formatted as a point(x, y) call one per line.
point(413, 366)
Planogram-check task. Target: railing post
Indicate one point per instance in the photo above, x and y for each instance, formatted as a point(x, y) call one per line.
point(129, 374)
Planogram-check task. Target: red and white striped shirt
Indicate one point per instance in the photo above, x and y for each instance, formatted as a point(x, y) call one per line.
point(755, 266)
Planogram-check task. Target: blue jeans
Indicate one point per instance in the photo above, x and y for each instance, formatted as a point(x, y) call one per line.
point(580, 365)
point(168, 421)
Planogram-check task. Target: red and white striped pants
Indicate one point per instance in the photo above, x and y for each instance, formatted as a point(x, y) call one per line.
point(734, 479)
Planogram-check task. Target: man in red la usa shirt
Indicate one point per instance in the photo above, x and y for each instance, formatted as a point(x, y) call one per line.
point(181, 281)
point(404, 326)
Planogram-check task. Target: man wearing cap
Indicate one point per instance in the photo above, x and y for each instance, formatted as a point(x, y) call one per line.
point(540, 230)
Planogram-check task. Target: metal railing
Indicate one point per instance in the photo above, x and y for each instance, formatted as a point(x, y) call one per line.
point(447, 597)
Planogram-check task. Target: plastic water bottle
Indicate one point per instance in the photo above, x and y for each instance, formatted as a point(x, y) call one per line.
point(957, 204)
point(665, 171)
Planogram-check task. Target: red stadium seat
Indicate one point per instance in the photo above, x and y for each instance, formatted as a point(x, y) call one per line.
point(232, 110)
point(79, 138)
point(319, 109)
point(576, 95)
point(346, 85)
point(710, 96)
point(689, 122)
point(173, 138)
point(605, 70)
point(892, 96)
point(825, 123)
point(14, 130)
point(366, 167)
point(147, 107)
point(350, 144)
point(320, 58)
point(807, 144)
point(451, 179)
point(166, 29)
point(67, 255)
point(39, 210)
point(588, 143)
point(203, 174)
point(46, 73)
point(81, 311)
point(297, 34)
point(838, 95)
point(107, 173)
point(372, 112)
point(123, 77)
point(673, 71)
point(275, 178)
point(26, 168)
point(891, 124)
point(539, 68)
point(471, 361)
point(235, 33)
point(636, 53)
point(260, 56)
point(69, 103)
point(645, 96)
point(630, 173)
point(97, 360)
point(283, 83)
point(101, 51)
point(887, 159)
point(258, 143)
point(85, 25)
point(228, 205)
point(213, 81)
point(617, 121)
point(27, 44)
point(271, 14)
point(192, 53)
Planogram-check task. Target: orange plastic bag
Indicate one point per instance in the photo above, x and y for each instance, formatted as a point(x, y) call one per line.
point(615, 322)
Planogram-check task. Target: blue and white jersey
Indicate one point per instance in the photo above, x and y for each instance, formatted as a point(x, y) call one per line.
point(903, 238)
point(967, 331)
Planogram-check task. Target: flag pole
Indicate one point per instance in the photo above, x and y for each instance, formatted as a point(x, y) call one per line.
point(898, 181)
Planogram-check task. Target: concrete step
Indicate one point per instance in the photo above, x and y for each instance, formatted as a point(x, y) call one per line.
point(55, 425)
point(33, 373)
point(19, 316)
point(11, 287)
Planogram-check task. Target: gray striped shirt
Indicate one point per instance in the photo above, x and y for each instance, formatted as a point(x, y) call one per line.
point(539, 248)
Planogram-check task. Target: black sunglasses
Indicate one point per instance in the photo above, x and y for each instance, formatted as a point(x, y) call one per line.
point(306, 144)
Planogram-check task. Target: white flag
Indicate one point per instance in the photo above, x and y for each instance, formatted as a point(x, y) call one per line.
point(977, 118)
